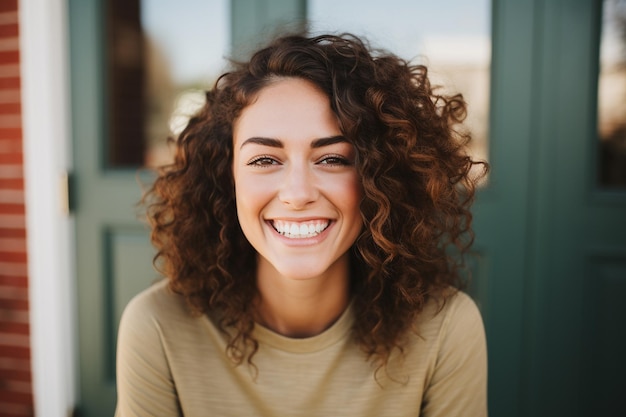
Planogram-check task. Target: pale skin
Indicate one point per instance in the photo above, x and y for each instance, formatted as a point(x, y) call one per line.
point(298, 195)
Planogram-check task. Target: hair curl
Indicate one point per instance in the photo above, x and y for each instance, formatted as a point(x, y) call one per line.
point(414, 171)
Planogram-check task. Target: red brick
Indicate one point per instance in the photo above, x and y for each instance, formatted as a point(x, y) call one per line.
point(12, 293)
point(12, 245)
point(13, 255)
point(10, 83)
point(10, 108)
point(12, 209)
point(8, 6)
point(14, 328)
point(14, 352)
point(8, 31)
point(13, 410)
point(12, 318)
point(9, 397)
point(10, 132)
point(12, 280)
point(9, 57)
point(8, 233)
point(8, 304)
point(19, 372)
point(11, 145)
point(16, 364)
point(10, 269)
point(11, 158)
point(12, 183)
point(15, 375)
point(17, 410)
point(14, 258)
point(12, 221)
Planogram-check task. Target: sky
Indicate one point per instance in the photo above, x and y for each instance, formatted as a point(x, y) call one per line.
point(195, 34)
point(401, 24)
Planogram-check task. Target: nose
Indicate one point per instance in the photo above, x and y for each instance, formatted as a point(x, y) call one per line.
point(298, 188)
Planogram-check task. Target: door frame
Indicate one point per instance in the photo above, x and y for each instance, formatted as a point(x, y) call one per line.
point(50, 231)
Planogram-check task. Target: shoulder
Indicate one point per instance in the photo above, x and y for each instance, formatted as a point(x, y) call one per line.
point(145, 383)
point(449, 310)
point(457, 380)
point(152, 309)
point(450, 329)
point(458, 321)
point(458, 340)
point(462, 330)
point(156, 301)
point(154, 324)
point(460, 309)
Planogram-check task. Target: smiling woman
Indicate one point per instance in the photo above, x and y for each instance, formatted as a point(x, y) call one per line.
point(331, 291)
point(297, 192)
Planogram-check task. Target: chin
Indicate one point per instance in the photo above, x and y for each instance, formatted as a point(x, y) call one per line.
point(300, 274)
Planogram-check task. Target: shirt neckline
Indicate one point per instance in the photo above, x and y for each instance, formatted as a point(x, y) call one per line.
point(336, 332)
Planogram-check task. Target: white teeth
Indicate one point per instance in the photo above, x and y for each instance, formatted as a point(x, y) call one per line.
point(300, 230)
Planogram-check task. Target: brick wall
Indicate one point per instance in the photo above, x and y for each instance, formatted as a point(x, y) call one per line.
point(15, 378)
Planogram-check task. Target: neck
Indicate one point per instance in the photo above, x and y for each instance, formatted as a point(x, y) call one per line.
point(301, 307)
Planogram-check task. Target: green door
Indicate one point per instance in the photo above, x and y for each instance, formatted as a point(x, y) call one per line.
point(113, 258)
point(550, 249)
point(556, 268)
point(578, 250)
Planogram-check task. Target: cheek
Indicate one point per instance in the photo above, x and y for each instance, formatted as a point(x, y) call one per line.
point(349, 193)
point(251, 195)
point(245, 208)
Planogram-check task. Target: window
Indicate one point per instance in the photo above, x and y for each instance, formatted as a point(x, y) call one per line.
point(161, 55)
point(452, 38)
point(612, 96)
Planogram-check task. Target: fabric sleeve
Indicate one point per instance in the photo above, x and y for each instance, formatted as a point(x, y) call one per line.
point(458, 386)
point(144, 382)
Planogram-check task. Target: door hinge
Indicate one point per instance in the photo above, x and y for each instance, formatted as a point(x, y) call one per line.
point(66, 193)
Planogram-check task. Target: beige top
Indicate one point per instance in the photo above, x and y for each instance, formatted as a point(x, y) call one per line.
point(172, 364)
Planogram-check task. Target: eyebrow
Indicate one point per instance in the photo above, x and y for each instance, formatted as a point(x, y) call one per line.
point(275, 143)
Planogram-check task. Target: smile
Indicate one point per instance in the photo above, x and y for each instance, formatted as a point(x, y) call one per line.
point(300, 230)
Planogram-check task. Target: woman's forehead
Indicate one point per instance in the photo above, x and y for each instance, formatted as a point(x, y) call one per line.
point(290, 108)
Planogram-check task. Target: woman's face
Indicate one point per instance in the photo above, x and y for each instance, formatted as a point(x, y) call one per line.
point(296, 186)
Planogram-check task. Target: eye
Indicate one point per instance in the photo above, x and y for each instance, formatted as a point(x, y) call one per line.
point(334, 160)
point(263, 160)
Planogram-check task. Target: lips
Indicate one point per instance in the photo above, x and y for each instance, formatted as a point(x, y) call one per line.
point(300, 230)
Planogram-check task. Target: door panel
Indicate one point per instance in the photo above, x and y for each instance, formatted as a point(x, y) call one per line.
point(113, 253)
point(128, 271)
point(501, 210)
point(94, 208)
point(580, 258)
point(604, 345)
point(256, 21)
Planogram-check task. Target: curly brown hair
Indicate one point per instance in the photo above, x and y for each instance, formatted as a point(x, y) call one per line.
point(411, 160)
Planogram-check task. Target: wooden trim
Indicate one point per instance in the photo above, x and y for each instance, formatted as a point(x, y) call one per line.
point(45, 109)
